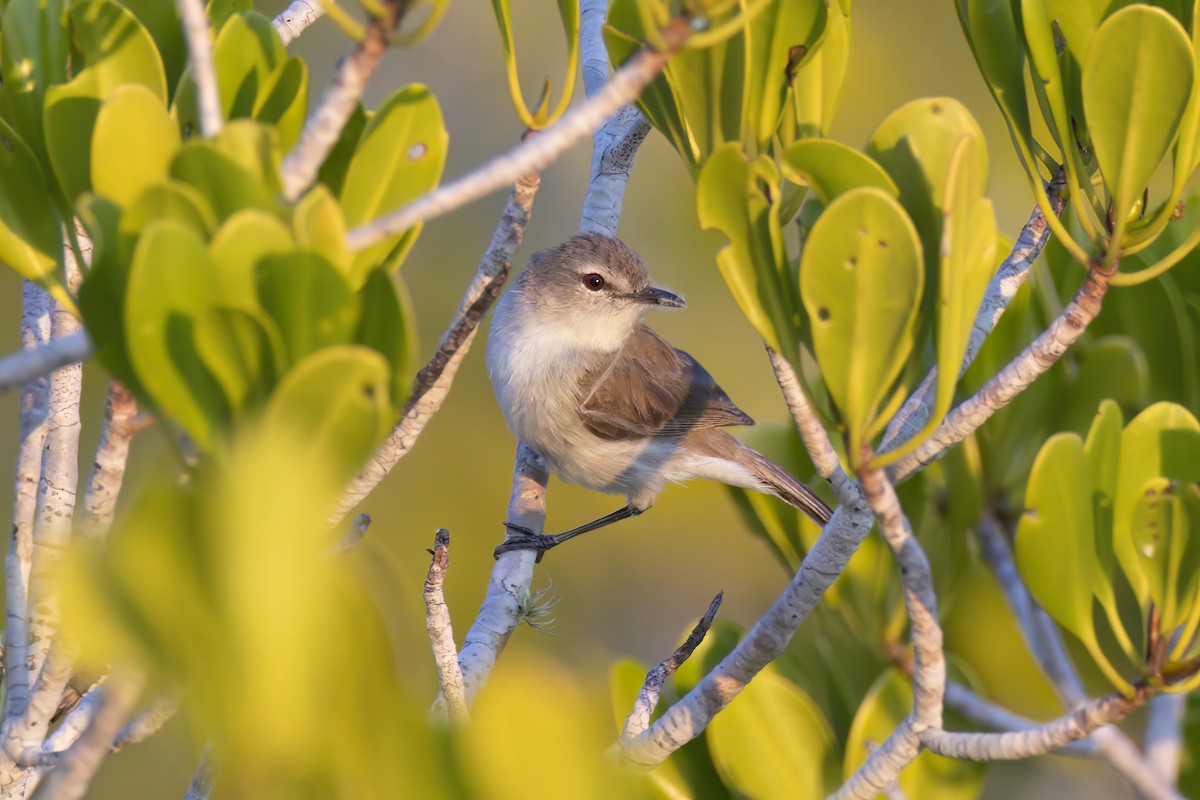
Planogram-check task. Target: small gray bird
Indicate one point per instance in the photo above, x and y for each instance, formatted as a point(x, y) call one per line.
point(610, 404)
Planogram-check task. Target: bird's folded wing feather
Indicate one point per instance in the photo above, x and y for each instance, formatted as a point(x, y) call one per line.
point(652, 389)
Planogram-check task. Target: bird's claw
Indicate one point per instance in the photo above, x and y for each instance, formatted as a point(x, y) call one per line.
point(521, 538)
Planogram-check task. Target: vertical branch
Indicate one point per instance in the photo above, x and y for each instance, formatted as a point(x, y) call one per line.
point(441, 632)
point(79, 763)
point(200, 57)
point(112, 454)
point(324, 126)
point(615, 143)
point(507, 594)
point(433, 382)
point(292, 21)
point(1164, 735)
point(33, 424)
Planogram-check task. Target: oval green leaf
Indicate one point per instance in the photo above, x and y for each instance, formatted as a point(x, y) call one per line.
point(308, 299)
point(832, 169)
point(238, 246)
point(132, 145)
point(30, 229)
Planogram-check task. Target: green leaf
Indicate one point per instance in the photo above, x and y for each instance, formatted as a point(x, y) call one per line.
point(817, 86)
point(132, 145)
point(1114, 368)
point(239, 244)
point(383, 325)
point(219, 12)
point(832, 169)
point(1162, 536)
point(730, 197)
point(116, 51)
point(167, 200)
point(1137, 81)
point(337, 163)
point(337, 401)
point(308, 299)
point(30, 227)
point(170, 285)
point(102, 295)
point(968, 256)
point(255, 148)
point(319, 226)
point(886, 704)
point(226, 187)
point(1056, 544)
point(34, 58)
point(400, 157)
point(779, 35)
point(915, 144)
point(237, 347)
point(1000, 54)
point(1155, 444)
point(161, 21)
point(861, 283)
point(283, 101)
point(773, 742)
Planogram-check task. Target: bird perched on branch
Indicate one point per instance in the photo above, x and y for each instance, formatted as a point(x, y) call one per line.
point(607, 401)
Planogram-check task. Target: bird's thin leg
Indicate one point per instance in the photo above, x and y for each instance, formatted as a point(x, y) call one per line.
point(521, 538)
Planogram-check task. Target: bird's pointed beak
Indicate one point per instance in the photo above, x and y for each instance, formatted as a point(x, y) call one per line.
point(655, 296)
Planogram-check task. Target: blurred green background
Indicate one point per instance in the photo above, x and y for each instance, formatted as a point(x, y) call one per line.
point(632, 589)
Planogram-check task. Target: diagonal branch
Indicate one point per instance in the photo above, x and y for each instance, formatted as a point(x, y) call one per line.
point(441, 632)
point(1034, 360)
point(647, 699)
point(121, 424)
point(532, 155)
point(433, 382)
point(79, 763)
point(324, 126)
point(204, 73)
point(1001, 290)
point(43, 358)
point(292, 21)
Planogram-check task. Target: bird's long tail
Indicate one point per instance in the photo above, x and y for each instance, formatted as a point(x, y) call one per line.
point(778, 482)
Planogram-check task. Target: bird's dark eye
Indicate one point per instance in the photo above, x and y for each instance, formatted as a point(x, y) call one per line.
point(593, 281)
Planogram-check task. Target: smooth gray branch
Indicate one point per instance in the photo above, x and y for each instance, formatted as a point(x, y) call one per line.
point(42, 359)
point(292, 21)
point(121, 424)
point(78, 764)
point(441, 632)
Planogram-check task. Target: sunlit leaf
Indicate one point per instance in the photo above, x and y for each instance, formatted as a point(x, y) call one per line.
point(831, 169)
point(132, 145)
point(30, 230)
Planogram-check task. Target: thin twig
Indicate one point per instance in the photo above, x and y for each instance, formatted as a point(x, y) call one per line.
point(432, 384)
point(39, 361)
point(202, 782)
point(77, 721)
point(34, 422)
point(1001, 290)
point(615, 143)
point(532, 155)
point(292, 21)
point(1034, 360)
point(441, 632)
point(984, 712)
point(1164, 735)
point(78, 764)
point(354, 534)
point(121, 424)
point(325, 124)
point(149, 722)
point(1071, 727)
point(647, 698)
point(204, 73)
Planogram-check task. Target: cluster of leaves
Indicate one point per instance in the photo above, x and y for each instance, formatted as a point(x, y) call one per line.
point(1110, 545)
point(1115, 86)
point(206, 287)
point(542, 116)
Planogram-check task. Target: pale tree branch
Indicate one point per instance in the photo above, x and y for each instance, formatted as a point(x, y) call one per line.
point(647, 698)
point(989, 715)
point(202, 782)
point(441, 632)
point(78, 764)
point(204, 73)
point(929, 662)
point(1107, 710)
point(149, 722)
point(292, 21)
point(23, 742)
point(432, 384)
point(1164, 735)
point(1016, 377)
point(1001, 290)
point(77, 721)
point(39, 361)
point(121, 424)
point(615, 143)
point(33, 423)
point(532, 155)
point(506, 600)
point(769, 636)
point(325, 124)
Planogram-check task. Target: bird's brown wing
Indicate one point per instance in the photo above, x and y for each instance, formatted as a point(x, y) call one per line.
point(652, 389)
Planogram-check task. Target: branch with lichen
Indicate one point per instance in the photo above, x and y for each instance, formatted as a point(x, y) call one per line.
point(121, 424)
point(441, 632)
